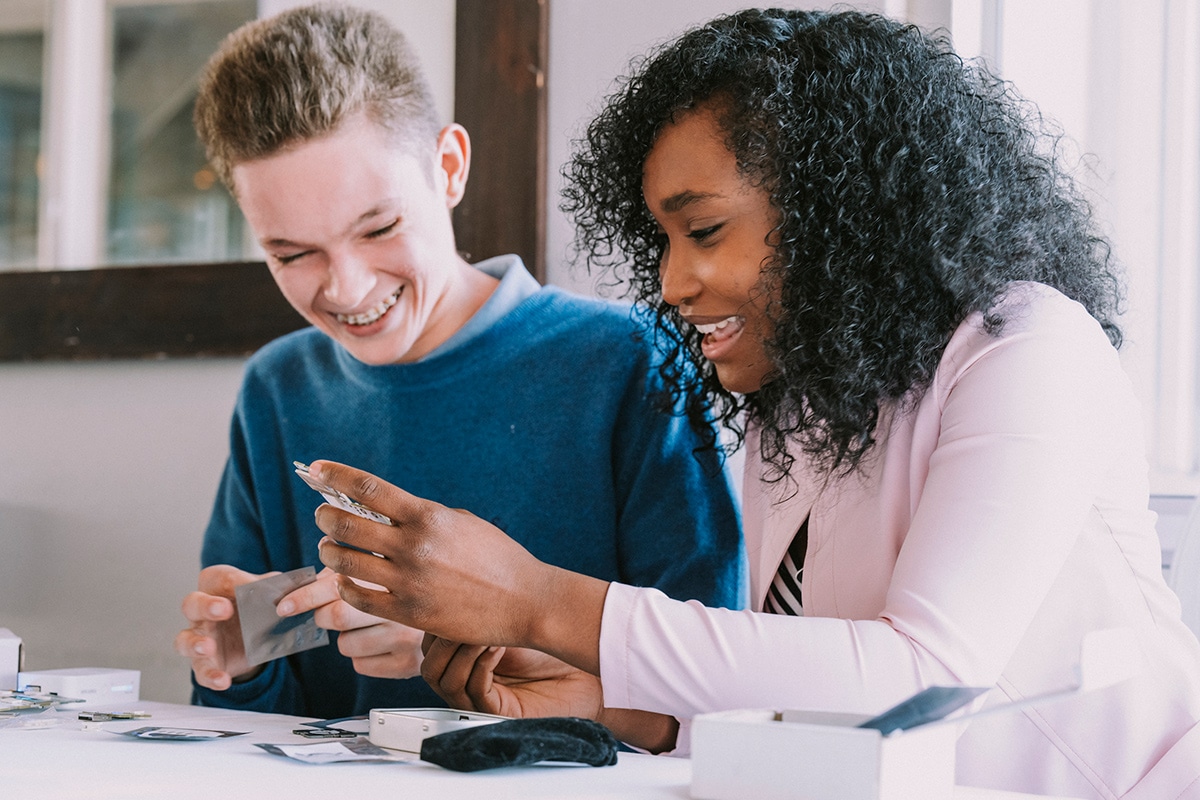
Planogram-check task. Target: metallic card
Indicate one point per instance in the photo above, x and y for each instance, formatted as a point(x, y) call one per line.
point(266, 635)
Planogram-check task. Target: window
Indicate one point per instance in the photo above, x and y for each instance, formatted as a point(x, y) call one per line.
point(164, 202)
point(21, 52)
point(99, 163)
point(1123, 81)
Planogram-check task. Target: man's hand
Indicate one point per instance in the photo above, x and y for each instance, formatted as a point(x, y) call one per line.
point(213, 638)
point(378, 647)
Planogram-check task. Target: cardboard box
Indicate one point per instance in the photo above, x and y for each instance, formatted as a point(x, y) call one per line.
point(96, 686)
point(766, 754)
point(10, 659)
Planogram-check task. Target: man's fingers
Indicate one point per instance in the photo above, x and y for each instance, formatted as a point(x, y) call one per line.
point(204, 607)
point(341, 616)
point(312, 595)
point(190, 643)
point(201, 649)
point(223, 579)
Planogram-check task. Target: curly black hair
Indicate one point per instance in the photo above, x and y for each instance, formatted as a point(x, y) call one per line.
point(912, 188)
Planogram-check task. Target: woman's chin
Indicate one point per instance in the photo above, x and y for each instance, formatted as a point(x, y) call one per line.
point(741, 379)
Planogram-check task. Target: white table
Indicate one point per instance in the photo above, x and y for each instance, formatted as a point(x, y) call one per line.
point(65, 761)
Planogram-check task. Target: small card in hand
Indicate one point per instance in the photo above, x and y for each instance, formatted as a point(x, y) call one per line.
point(266, 635)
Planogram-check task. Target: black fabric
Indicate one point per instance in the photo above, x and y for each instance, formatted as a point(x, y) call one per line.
point(514, 742)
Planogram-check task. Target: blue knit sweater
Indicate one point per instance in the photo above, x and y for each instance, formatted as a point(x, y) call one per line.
point(542, 424)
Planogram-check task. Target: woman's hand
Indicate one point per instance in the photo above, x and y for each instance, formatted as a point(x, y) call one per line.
point(518, 682)
point(510, 681)
point(449, 573)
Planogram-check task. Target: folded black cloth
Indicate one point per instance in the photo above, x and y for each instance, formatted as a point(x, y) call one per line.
point(514, 742)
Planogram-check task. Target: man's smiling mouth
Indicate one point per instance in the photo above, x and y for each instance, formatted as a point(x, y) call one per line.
point(371, 314)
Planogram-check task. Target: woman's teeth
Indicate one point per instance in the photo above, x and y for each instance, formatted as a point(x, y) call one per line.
point(372, 314)
point(716, 326)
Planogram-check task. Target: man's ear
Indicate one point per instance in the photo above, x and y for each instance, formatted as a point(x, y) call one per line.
point(453, 162)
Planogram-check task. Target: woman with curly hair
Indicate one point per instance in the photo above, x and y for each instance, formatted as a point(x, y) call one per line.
point(872, 257)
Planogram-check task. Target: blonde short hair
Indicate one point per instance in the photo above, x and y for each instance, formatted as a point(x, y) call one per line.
point(298, 75)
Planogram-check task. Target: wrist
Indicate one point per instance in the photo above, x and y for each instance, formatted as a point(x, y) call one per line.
point(246, 677)
point(654, 733)
point(564, 619)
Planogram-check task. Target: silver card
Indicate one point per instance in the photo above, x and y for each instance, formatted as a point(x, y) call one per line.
point(266, 635)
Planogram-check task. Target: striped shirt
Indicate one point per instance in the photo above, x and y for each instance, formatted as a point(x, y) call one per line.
point(783, 596)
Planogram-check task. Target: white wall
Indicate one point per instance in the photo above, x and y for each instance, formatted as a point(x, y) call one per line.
point(591, 43)
point(107, 474)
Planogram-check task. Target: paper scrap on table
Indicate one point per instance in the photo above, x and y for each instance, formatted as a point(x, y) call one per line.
point(359, 749)
point(178, 734)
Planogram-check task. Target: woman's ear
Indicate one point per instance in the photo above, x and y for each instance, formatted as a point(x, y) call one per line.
point(453, 162)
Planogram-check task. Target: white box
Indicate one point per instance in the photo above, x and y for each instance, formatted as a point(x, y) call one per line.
point(405, 728)
point(765, 754)
point(10, 659)
point(96, 686)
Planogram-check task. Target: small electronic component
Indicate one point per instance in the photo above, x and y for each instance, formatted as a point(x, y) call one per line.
point(107, 716)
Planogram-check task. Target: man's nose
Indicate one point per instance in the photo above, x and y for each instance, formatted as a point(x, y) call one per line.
point(350, 280)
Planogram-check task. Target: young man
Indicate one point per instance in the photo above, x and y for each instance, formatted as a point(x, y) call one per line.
point(472, 385)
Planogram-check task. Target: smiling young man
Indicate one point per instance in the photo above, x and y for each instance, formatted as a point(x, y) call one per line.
point(469, 384)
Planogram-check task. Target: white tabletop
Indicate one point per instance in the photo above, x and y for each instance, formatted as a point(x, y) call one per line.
point(64, 760)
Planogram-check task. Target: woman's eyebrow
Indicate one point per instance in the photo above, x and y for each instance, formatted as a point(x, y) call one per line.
point(677, 202)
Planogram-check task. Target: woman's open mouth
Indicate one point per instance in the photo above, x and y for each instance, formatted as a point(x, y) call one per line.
point(720, 335)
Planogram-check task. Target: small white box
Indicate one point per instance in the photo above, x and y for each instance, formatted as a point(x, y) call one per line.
point(765, 754)
point(405, 728)
point(10, 659)
point(94, 685)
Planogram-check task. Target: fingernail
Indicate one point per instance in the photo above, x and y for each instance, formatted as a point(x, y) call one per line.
point(285, 608)
point(199, 648)
point(214, 609)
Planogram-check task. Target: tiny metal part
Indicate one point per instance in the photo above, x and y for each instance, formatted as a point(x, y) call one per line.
point(325, 733)
point(105, 716)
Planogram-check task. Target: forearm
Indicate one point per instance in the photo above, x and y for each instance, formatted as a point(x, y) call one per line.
point(655, 733)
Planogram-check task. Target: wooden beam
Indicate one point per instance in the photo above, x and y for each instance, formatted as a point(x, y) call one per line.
point(141, 312)
point(501, 51)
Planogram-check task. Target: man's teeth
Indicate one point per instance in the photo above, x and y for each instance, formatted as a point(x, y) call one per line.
point(370, 315)
point(716, 326)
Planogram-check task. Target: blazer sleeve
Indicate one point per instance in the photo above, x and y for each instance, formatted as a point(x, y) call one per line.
point(1021, 423)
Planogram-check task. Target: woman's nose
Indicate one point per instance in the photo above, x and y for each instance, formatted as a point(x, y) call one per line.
point(678, 279)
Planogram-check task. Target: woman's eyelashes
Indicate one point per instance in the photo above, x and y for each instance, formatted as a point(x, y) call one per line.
point(699, 235)
point(704, 234)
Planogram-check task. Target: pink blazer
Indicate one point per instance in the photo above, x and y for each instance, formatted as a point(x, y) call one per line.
point(999, 519)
